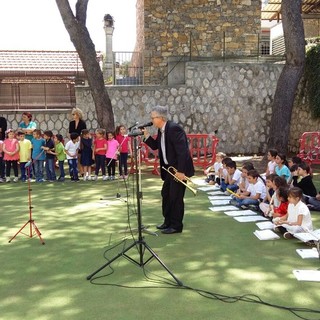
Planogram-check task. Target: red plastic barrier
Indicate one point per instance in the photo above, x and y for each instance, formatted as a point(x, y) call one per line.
point(309, 150)
point(202, 150)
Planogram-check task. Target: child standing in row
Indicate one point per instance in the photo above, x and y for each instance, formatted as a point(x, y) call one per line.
point(111, 155)
point(11, 155)
point(1, 161)
point(38, 155)
point(72, 148)
point(25, 148)
point(99, 153)
point(50, 156)
point(86, 154)
point(60, 154)
point(125, 149)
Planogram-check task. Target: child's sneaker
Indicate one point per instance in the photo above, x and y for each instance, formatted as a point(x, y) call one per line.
point(15, 179)
point(89, 178)
point(85, 178)
point(104, 178)
point(8, 179)
point(95, 178)
point(288, 235)
point(112, 178)
point(1, 180)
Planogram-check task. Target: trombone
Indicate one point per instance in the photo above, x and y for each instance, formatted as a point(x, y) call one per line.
point(172, 170)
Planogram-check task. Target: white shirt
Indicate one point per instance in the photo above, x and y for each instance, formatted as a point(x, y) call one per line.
point(163, 145)
point(258, 187)
point(272, 166)
point(72, 148)
point(300, 209)
point(236, 176)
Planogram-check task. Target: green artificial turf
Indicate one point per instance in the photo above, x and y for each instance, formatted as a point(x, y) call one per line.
point(214, 253)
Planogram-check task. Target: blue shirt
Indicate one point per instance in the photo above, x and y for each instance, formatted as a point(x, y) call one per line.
point(31, 125)
point(283, 172)
point(36, 151)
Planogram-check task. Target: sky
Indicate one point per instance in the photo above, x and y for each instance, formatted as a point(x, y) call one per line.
point(37, 25)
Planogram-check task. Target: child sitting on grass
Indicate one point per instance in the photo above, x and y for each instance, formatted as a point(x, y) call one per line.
point(282, 209)
point(213, 174)
point(298, 218)
point(255, 193)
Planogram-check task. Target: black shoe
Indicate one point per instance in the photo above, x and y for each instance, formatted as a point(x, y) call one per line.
point(162, 226)
point(170, 231)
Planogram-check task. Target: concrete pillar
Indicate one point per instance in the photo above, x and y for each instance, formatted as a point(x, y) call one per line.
point(108, 28)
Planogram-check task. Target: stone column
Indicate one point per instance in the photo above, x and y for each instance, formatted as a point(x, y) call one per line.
point(108, 28)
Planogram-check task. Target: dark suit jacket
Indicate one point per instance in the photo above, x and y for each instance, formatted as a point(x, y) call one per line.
point(177, 150)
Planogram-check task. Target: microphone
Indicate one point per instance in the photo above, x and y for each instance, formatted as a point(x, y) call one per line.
point(133, 126)
point(149, 124)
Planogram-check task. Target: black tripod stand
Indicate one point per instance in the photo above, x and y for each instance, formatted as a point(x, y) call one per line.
point(33, 227)
point(140, 243)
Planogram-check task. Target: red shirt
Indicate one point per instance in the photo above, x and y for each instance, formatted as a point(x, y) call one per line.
point(100, 143)
point(282, 209)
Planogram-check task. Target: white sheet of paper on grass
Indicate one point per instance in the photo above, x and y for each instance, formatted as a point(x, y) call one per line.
point(240, 213)
point(223, 208)
point(308, 253)
point(266, 235)
point(250, 218)
point(218, 202)
point(307, 275)
point(265, 225)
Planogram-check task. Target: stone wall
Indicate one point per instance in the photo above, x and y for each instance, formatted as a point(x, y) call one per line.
point(201, 28)
point(234, 98)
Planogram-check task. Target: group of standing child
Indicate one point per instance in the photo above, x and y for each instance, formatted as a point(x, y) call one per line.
point(41, 152)
point(285, 193)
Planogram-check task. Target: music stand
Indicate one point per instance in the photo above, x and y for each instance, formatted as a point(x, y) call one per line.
point(140, 243)
point(33, 227)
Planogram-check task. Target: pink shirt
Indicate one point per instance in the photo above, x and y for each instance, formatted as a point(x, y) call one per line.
point(11, 145)
point(100, 143)
point(112, 149)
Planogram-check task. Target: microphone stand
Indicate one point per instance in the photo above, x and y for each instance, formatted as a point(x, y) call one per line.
point(33, 227)
point(140, 243)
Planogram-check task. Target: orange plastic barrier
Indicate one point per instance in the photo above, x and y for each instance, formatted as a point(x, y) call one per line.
point(202, 149)
point(309, 150)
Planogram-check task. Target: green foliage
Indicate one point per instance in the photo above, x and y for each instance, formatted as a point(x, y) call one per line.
point(312, 74)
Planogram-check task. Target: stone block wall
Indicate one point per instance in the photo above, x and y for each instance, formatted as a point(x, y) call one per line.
point(201, 28)
point(235, 98)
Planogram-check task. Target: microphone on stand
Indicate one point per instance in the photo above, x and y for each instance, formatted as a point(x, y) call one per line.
point(149, 124)
point(134, 125)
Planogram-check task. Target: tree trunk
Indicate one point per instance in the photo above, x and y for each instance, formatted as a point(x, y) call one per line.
point(80, 37)
point(290, 75)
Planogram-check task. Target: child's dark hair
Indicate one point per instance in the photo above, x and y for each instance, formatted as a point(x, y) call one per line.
point(37, 131)
point(293, 168)
point(283, 157)
point(253, 173)
point(231, 164)
point(48, 133)
point(273, 152)
point(226, 160)
point(280, 181)
point(283, 193)
point(295, 192)
point(304, 166)
point(84, 131)
point(20, 133)
point(248, 166)
point(271, 176)
point(118, 129)
point(59, 137)
point(74, 135)
point(110, 132)
point(296, 160)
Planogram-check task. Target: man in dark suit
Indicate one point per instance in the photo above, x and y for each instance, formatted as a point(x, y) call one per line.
point(172, 144)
